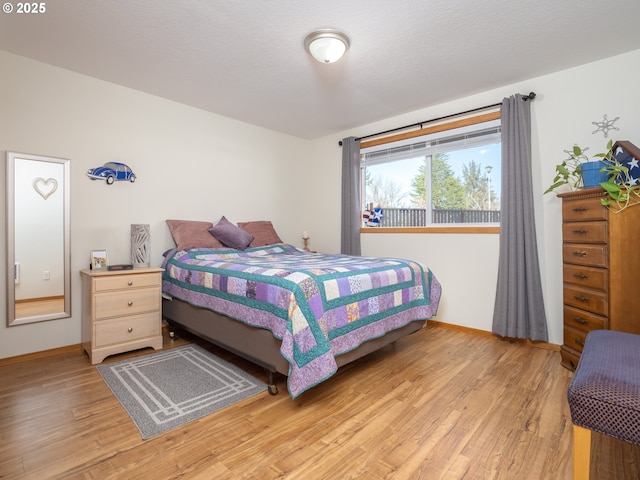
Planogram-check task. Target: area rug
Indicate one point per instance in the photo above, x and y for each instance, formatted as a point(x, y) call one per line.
point(167, 389)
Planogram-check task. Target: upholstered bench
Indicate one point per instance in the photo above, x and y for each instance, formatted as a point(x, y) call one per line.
point(604, 393)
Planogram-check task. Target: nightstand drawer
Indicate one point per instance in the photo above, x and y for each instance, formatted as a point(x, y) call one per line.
point(131, 302)
point(585, 232)
point(586, 276)
point(583, 320)
point(585, 299)
point(122, 330)
point(122, 282)
point(583, 254)
point(584, 210)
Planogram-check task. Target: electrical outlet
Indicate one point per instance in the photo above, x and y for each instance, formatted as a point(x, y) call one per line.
point(46, 275)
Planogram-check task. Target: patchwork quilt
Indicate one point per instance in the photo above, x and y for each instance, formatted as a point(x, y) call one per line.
point(319, 305)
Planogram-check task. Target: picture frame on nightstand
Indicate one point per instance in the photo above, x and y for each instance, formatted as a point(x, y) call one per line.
point(99, 260)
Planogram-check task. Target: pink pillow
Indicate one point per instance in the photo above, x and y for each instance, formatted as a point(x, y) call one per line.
point(262, 231)
point(192, 234)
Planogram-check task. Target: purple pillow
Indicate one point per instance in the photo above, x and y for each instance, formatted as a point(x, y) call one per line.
point(231, 235)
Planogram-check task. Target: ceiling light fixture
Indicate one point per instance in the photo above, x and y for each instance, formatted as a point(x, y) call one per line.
point(326, 45)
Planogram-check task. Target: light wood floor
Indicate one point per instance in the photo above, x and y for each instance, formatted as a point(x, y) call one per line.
point(440, 404)
point(32, 308)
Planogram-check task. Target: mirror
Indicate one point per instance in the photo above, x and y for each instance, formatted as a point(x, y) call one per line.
point(38, 233)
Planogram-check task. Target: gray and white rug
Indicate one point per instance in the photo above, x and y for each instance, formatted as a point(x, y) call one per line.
point(166, 389)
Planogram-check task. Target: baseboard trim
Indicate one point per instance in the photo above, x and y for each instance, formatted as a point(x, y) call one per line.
point(525, 341)
point(433, 323)
point(42, 354)
point(49, 353)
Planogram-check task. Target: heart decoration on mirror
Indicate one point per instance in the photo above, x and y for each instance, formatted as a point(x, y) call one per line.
point(45, 188)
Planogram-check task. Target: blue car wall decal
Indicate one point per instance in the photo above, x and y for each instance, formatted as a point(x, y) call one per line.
point(112, 172)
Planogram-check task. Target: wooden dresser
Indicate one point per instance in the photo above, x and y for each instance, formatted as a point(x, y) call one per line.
point(601, 264)
point(121, 311)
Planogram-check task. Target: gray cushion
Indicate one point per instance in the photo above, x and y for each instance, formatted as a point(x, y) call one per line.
point(604, 393)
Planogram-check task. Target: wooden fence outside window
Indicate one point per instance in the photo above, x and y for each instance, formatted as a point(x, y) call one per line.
point(417, 217)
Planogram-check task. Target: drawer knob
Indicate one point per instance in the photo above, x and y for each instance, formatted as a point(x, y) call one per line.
point(579, 253)
point(581, 298)
point(580, 276)
point(130, 303)
point(130, 329)
point(580, 320)
point(130, 282)
point(582, 231)
point(580, 209)
point(578, 342)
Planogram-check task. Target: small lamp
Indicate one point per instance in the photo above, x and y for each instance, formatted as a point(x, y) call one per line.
point(326, 45)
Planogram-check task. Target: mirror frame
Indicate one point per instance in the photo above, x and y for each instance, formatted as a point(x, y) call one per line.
point(12, 157)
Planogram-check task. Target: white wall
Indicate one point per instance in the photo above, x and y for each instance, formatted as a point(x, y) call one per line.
point(567, 103)
point(190, 164)
point(193, 164)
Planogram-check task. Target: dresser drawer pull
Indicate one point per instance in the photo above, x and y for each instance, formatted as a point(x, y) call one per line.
point(578, 253)
point(130, 303)
point(130, 329)
point(582, 231)
point(580, 209)
point(580, 320)
point(580, 276)
point(130, 282)
point(581, 298)
point(577, 341)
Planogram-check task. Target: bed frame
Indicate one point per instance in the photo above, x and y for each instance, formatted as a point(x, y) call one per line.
point(258, 345)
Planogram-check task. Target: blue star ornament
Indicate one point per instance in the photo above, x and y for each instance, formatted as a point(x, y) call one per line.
point(372, 218)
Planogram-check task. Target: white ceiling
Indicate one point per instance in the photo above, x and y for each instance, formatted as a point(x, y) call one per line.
point(244, 59)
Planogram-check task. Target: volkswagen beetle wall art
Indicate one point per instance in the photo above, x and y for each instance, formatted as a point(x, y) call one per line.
point(112, 172)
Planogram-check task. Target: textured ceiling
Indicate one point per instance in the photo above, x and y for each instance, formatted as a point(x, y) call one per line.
point(245, 59)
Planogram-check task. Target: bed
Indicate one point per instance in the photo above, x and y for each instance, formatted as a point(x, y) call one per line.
point(294, 312)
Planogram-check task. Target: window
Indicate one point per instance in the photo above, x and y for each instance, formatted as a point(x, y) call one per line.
point(451, 176)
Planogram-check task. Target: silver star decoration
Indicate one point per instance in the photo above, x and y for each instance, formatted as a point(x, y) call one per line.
point(605, 125)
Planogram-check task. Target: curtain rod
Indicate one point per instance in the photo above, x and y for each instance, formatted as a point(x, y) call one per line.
point(531, 96)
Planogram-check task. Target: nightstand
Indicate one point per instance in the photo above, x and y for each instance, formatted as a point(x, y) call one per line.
point(121, 311)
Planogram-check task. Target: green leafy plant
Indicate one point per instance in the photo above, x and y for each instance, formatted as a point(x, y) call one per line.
point(569, 172)
point(621, 192)
point(619, 187)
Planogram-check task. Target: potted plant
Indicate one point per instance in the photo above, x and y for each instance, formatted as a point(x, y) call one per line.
point(577, 171)
point(609, 172)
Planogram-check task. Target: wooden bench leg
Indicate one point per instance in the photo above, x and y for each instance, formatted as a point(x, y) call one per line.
point(581, 453)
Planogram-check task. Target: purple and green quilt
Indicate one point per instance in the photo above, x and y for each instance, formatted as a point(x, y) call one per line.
point(319, 305)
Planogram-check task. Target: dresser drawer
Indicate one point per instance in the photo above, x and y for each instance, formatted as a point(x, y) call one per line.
point(583, 320)
point(112, 304)
point(569, 358)
point(122, 330)
point(119, 282)
point(584, 210)
point(583, 254)
point(585, 299)
point(585, 232)
point(574, 338)
point(586, 276)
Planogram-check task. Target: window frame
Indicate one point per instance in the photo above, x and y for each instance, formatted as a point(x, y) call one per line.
point(426, 130)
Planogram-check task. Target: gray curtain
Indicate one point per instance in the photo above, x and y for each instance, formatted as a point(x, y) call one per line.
point(351, 220)
point(519, 308)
